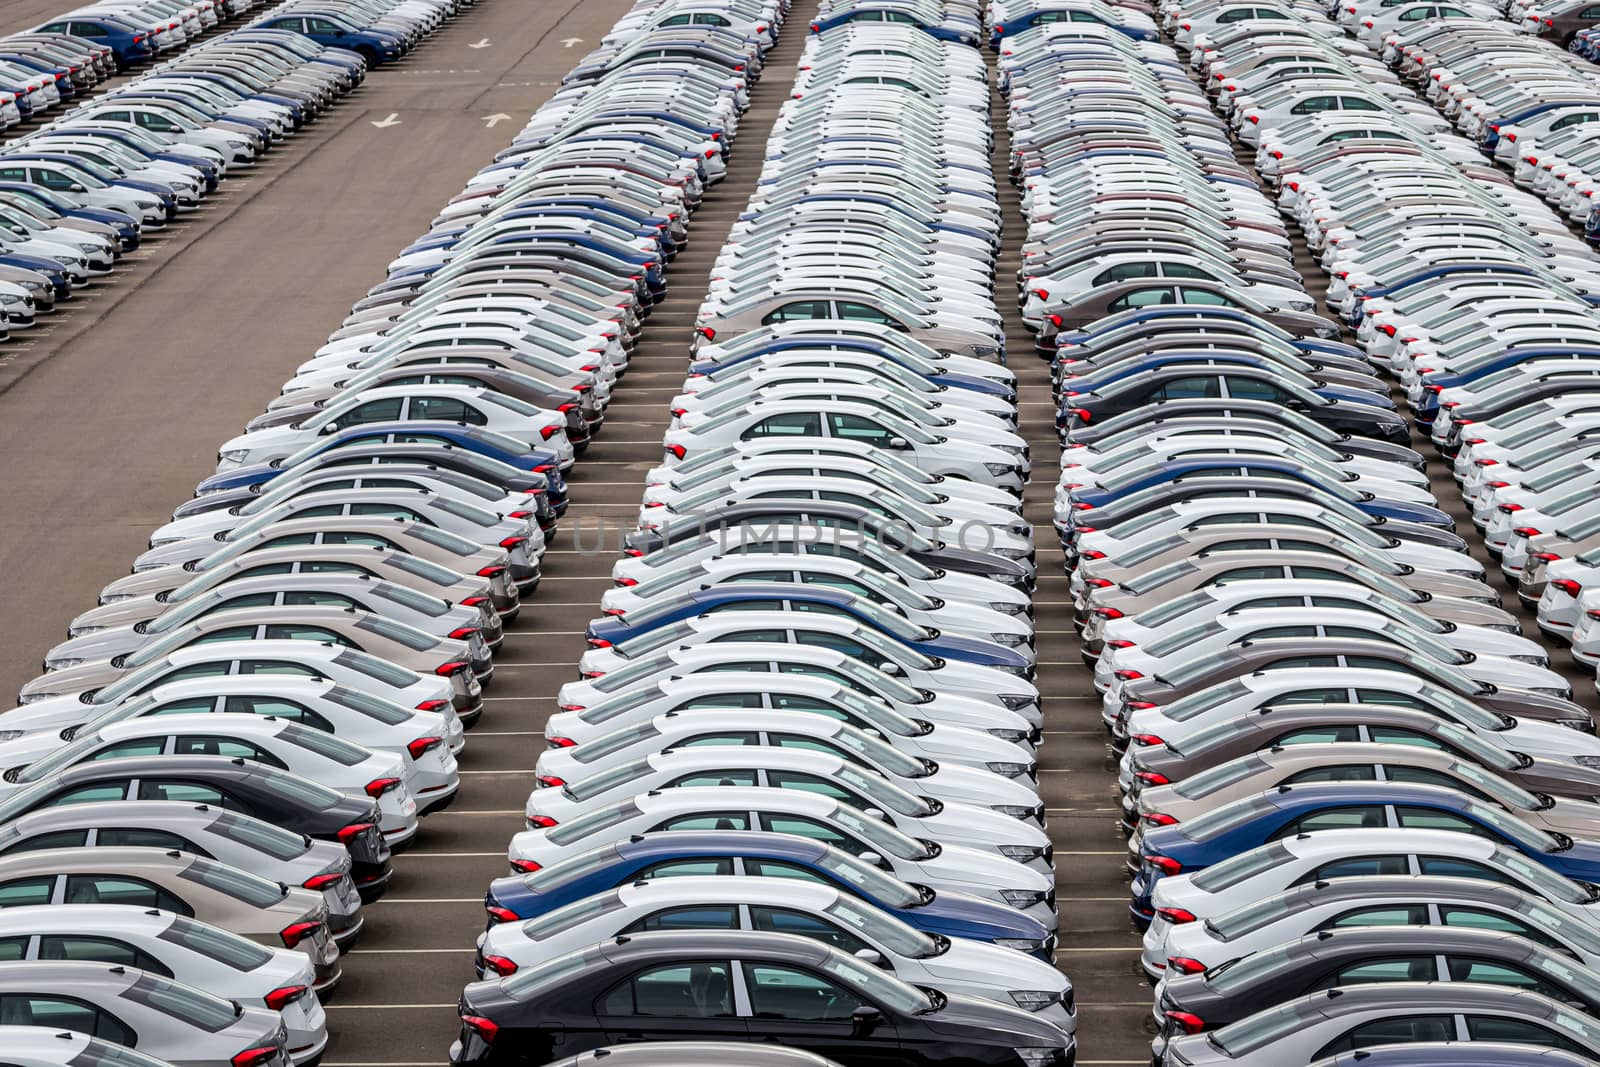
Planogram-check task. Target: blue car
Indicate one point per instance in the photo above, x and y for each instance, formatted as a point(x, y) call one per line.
point(1044, 15)
point(893, 13)
point(742, 596)
point(52, 206)
point(469, 438)
point(1491, 132)
point(130, 44)
point(377, 47)
point(1222, 317)
point(1100, 377)
point(1288, 810)
point(1264, 466)
point(520, 897)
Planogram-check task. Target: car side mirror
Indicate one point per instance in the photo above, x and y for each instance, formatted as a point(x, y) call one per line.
point(332, 427)
point(871, 858)
point(899, 443)
point(864, 1020)
point(889, 667)
point(874, 813)
point(872, 956)
point(76, 188)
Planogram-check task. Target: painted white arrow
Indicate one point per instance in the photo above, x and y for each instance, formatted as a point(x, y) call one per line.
point(481, 44)
point(392, 120)
point(568, 42)
point(496, 119)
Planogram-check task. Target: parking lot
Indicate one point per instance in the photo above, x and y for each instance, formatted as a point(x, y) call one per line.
point(113, 408)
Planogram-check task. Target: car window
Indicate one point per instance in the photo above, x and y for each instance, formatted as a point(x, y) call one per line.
point(1518, 1032)
point(13, 948)
point(183, 792)
point(793, 424)
point(674, 991)
point(798, 311)
point(1480, 919)
point(384, 410)
point(699, 868)
point(718, 820)
point(1430, 819)
point(778, 992)
point(858, 428)
point(1201, 387)
point(144, 837)
point(54, 839)
point(278, 707)
point(1399, 969)
point(788, 921)
point(1399, 1030)
point(1451, 867)
point(693, 917)
point(121, 889)
point(229, 747)
point(191, 706)
point(25, 891)
point(98, 793)
point(1388, 915)
point(99, 950)
point(1354, 817)
point(1350, 772)
point(63, 1013)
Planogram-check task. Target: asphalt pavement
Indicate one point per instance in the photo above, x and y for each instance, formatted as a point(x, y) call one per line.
point(112, 411)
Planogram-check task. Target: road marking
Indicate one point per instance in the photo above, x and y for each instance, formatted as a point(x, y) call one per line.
point(496, 119)
point(480, 44)
point(393, 120)
point(568, 42)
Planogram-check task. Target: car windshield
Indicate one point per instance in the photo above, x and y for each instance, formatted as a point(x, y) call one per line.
point(1512, 827)
point(1546, 881)
point(878, 986)
point(66, 756)
point(878, 753)
point(883, 838)
point(873, 786)
point(883, 929)
point(1236, 869)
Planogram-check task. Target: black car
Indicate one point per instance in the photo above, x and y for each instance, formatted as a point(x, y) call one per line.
point(1185, 382)
point(297, 804)
point(799, 993)
point(1360, 955)
point(756, 521)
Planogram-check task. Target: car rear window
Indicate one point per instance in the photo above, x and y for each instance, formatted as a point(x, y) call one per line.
point(390, 674)
point(275, 841)
point(325, 744)
point(215, 943)
point(236, 883)
point(209, 1013)
point(372, 707)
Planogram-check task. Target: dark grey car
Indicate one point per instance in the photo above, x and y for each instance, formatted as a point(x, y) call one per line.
point(695, 1054)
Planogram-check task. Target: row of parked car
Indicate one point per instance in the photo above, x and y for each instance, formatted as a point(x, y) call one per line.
point(792, 797)
point(1359, 804)
point(210, 778)
point(79, 193)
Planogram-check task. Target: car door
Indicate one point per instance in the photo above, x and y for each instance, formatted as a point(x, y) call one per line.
point(60, 1012)
point(803, 1008)
point(690, 999)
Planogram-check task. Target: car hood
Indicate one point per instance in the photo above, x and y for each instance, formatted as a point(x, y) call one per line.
point(985, 1022)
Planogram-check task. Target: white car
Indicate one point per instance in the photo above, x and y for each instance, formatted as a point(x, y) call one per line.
point(951, 965)
point(976, 735)
point(193, 953)
point(969, 870)
point(458, 403)
point(925, 818)
point(1016, 797)
point(1260, 873)
point(313, 754)
point(352, 716)
point(812, 630)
